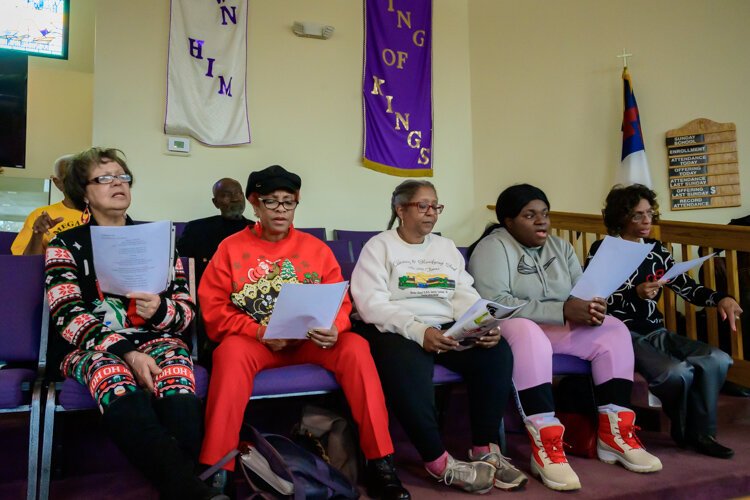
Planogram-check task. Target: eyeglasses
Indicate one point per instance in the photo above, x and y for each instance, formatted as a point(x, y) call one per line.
point(109, 179)
point(639, 216)
point(272, 203)
point(423, 206)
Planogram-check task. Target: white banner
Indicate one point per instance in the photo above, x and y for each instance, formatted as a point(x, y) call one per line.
point(206, 73)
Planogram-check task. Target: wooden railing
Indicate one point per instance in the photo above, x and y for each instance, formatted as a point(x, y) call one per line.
point(685, 240)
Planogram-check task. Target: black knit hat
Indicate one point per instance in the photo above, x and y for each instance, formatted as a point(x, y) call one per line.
point(512, 200)
point(270, 179)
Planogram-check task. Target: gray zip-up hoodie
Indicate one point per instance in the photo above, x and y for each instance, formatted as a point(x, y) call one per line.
point(509, 273)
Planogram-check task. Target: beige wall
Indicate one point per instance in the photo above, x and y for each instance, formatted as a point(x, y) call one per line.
point(523, 91)
point(305, 112)
point(546, 91)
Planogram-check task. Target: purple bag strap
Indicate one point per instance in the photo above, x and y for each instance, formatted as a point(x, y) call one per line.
point(218, 465)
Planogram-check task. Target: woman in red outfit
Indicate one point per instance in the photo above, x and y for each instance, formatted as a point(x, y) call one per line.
point(237, 294)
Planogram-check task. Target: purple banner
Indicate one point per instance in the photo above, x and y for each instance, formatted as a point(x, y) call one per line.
point(397, 87)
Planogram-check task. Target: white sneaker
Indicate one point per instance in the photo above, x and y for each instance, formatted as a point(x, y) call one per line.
point(617, 442)
point(548, 460)
point(474, 477)
point(507, 477)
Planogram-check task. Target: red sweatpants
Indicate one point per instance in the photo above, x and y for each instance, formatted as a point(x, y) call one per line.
point(239, 358)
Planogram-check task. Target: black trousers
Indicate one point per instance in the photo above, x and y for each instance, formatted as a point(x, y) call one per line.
point(406, 369)
point(686, 375)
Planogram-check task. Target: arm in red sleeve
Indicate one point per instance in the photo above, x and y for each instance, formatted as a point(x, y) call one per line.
point(220, 316)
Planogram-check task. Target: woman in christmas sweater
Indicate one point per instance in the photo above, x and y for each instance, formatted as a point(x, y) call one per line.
point(237, 295)
point(408, 285)
point(516, 262)
point(113, 344)
point(684, 374)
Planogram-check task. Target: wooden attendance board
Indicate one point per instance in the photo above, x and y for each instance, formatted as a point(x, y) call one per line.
point(703, 165)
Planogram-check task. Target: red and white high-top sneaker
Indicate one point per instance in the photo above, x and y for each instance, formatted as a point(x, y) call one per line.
point(617, 442)
point(548, 460)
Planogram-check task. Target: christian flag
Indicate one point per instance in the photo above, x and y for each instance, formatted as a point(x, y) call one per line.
point(397, 87)
point(206, 91)
point(634, 164)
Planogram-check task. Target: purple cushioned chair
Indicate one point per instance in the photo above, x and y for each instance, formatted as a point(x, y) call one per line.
point(6, 240)
point(318, 232)
point(23, 323)
point(341, 250)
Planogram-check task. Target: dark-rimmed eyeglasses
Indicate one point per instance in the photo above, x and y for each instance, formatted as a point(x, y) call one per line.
point(272, 203)
point(639, 216)
point(423, 207)
point(109, 179)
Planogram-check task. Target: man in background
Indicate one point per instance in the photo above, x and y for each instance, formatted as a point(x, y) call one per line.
point(201, 238)
point(45, 222)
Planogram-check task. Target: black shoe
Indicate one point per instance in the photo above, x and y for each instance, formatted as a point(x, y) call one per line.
point(736, 390)
point(382, 481)
point(707, 445)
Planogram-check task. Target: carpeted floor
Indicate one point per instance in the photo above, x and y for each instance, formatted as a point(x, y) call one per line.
point(87, 465)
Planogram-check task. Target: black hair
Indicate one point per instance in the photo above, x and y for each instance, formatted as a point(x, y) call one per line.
point(509, 204)
point(620, 203)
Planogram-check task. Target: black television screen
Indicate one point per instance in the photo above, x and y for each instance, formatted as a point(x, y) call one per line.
point(13, 71)
point(35, 27)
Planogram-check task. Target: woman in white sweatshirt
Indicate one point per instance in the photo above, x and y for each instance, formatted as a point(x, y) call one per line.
point(408, 285)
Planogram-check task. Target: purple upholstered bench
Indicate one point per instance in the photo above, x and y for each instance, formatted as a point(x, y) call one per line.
point(74, 396)
point(565, 364)
point(307, 379)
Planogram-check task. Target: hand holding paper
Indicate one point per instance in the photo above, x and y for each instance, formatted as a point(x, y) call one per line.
point(303, 307)
point(613, 263)
point(477, 322)
point(683, 267)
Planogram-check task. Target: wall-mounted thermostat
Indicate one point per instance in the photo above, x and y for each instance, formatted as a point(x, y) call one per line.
point(178, 144)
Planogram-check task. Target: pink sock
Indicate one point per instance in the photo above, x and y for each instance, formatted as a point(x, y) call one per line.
point(437, 466)
point(478, 451)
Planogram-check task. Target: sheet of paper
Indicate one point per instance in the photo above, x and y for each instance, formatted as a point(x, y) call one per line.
point(683, 267)
point(300, 307)
point(134, 258)
point(614, 262)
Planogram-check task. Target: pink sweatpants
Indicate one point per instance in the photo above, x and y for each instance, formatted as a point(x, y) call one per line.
point(608, 347)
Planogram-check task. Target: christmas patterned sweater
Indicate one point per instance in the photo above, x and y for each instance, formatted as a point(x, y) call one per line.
point(90, 320)
point(239, 288)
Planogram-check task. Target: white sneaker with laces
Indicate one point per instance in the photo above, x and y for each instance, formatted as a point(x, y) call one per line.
point(507, 477)
point(474, 477)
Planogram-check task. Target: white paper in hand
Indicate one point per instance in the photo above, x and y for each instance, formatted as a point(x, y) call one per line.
point(135, 258)
point(614, 262)
point(302, 306)
point(683, 267)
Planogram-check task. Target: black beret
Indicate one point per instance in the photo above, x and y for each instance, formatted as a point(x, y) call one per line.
point(270, 179)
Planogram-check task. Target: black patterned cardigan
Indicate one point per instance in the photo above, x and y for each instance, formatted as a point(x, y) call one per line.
point(642, 316)
point(76, 303)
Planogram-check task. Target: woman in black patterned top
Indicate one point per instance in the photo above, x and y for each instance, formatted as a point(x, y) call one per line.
point(686, 375)
point(128, 350)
